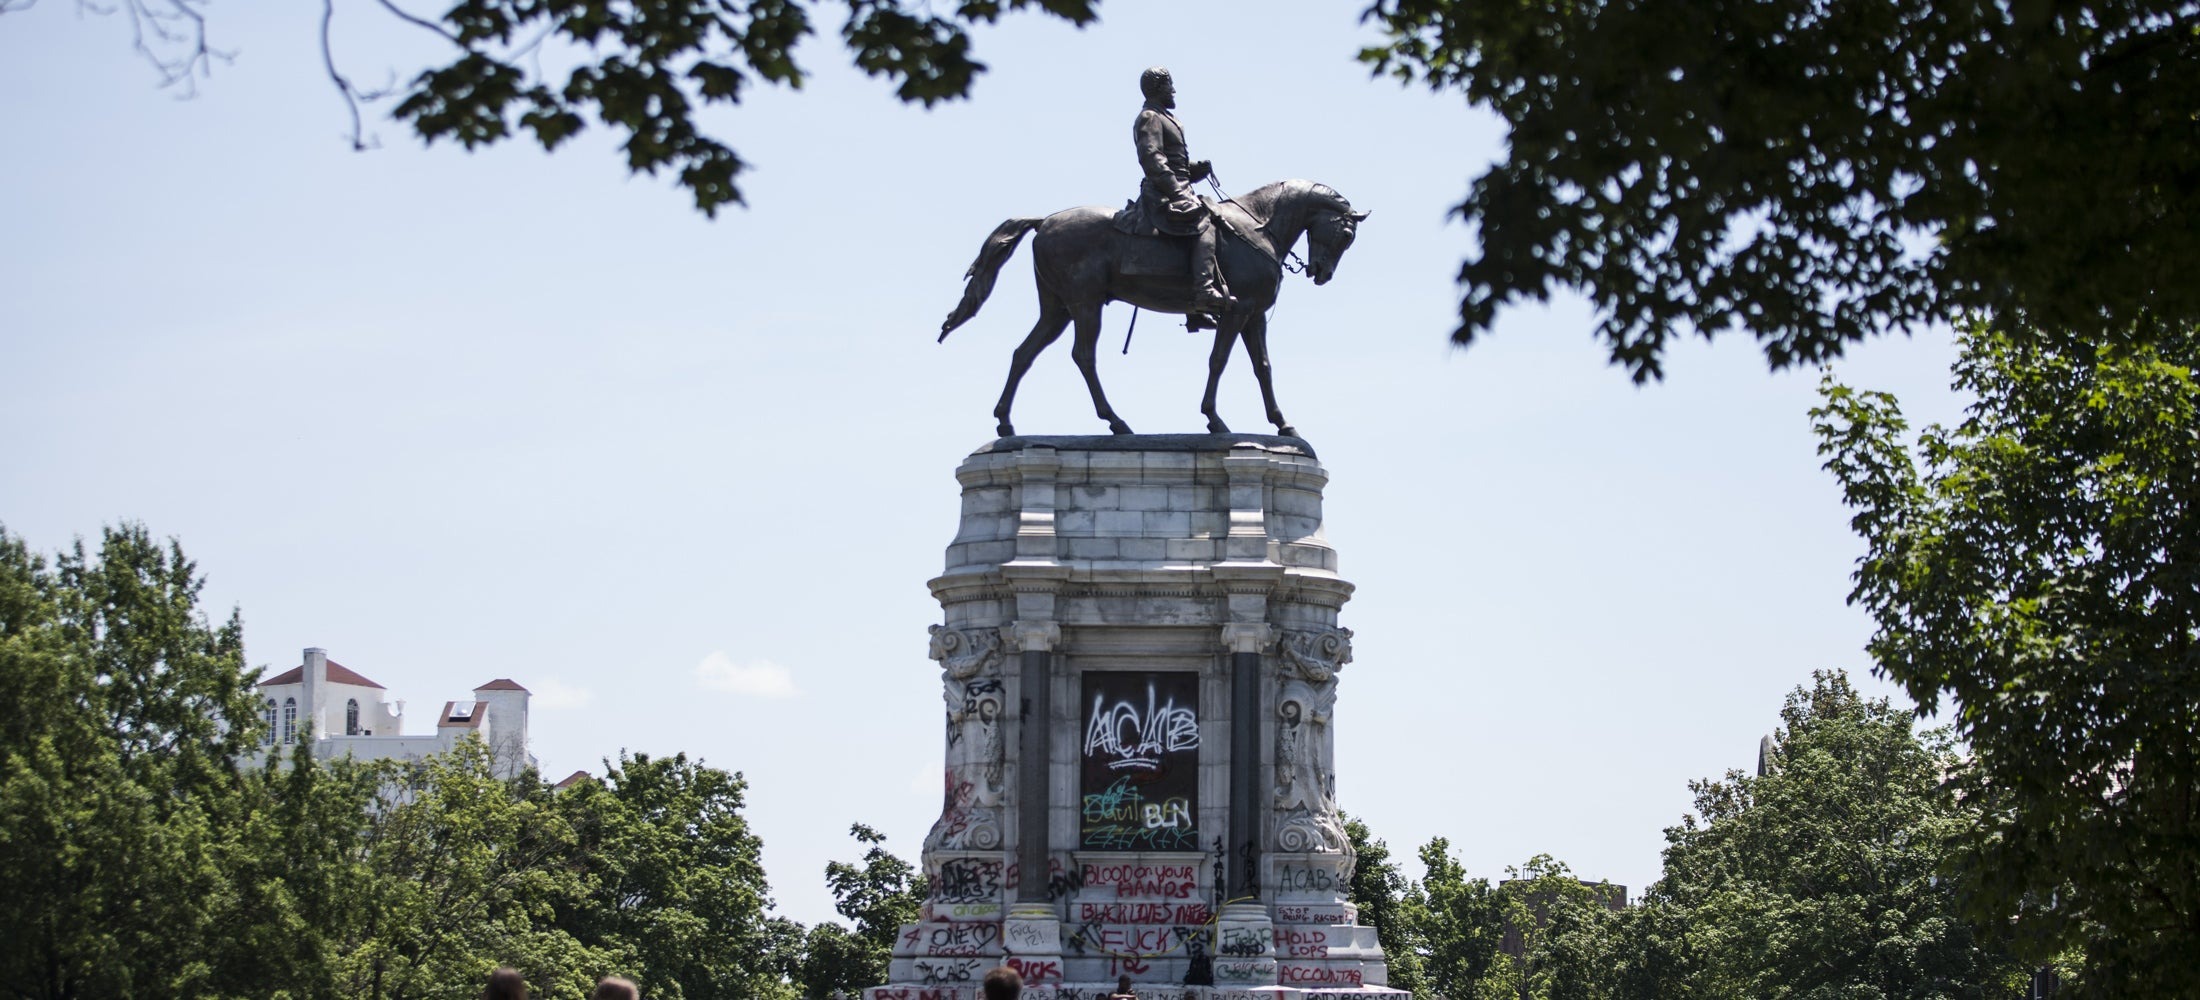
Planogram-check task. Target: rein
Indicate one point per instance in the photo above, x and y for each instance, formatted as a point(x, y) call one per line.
point(1290, 261)
point(1294, 264)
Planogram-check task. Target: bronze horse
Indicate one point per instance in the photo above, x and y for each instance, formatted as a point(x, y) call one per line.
point(1082, 262)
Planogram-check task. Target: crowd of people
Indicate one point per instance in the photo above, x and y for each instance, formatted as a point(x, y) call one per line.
point(508, 984)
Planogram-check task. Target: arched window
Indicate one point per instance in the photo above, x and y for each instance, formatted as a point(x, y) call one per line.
point(351, 717)
point(290, 720)
point(267, 715)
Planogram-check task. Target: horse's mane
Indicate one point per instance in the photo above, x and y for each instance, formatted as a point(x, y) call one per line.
point(1261, 202)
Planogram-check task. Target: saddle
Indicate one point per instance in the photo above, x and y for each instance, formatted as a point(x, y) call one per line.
point(1160, 254)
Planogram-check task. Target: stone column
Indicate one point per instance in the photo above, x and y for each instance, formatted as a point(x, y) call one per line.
point(1036, 640)
point(1245, 642)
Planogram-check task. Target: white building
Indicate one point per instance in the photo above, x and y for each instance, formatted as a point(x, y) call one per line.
point(347, 714)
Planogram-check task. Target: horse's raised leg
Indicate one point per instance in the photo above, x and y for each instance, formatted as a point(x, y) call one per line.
point(1256, 347)
point(1226, 334)
point(1085, 350)
point(1053, 318)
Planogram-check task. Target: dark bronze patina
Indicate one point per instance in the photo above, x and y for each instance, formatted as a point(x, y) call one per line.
point(1166, 204)
point(1087, 257)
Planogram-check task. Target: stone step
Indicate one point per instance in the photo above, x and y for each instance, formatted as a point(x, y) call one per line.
point(1327, 941)
point(1315, 913)
point(943, 939)
point(964, 912)
point(1146, 990)
point(1175, 912)
point(1323, 973)
point(1100, 969)
point(941, 971)
point(973, 939)
point(1137, 940)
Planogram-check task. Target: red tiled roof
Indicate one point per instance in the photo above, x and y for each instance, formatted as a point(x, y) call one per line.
point(477, 712)
point(574, 779)
point(503, 684)
point(337, 674)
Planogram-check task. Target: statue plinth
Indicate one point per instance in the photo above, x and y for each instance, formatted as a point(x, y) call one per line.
point(1139, 662)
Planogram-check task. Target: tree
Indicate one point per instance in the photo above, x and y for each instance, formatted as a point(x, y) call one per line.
point(675, 879)
point(1380, 891)
point(1540, 935)
point(468, 871)
point(837, 963)
point(1457, 924)
point(145, 856)
point(1563, 932)
point(642, 69)
point(124, 714)
point(1813, 171)
point(2035, 568)
point(879, 894)
point(1826, 875)
point(300, 891)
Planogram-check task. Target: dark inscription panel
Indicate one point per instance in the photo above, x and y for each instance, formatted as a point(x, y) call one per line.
point(1140, 771)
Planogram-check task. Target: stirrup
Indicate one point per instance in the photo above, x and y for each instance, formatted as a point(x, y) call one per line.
point(1213, 303)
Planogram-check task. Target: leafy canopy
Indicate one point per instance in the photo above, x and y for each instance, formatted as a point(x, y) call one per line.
point(879, 894)
point(1825, 875)
point(1813, 171)
point(1540, 935)
point(124, 714)
point(675, 878)
point(149, 849)
point(2038, 567)
point(646, 69)
point(1380, 892)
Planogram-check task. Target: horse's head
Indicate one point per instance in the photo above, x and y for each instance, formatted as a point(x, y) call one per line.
point(1329, 234)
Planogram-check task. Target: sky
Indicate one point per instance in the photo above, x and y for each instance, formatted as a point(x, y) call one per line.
point(457, 416)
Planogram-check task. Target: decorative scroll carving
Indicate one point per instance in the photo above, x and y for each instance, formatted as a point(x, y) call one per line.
point(966, 652)
point(976, 782)
point(1306, 779)
point(1316, 656)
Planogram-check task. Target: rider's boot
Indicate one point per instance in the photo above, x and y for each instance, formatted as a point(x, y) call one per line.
point(1210, 298)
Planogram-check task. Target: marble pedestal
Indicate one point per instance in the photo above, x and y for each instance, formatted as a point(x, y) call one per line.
point(1139, 664)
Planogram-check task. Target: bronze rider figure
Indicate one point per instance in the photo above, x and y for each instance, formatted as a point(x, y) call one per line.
point(1166, 201)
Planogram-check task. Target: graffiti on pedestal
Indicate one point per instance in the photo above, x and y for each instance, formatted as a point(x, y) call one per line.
point(954, 940)
point(1036, 970)
point(940, 972)
point(1139, 777)
point(1293, 974)
point(1306, 777)
point(976, 778)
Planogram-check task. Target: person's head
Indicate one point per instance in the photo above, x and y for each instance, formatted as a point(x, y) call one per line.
point(615, 988)
point(1159, 89)
point(1003, 984)
point(505, 984)
point(1122, 984)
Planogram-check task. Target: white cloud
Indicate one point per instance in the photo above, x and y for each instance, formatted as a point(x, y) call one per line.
point(756, 678)
point(554, 694)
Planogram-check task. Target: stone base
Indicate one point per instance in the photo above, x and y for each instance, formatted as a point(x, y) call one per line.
point(1146, 991)
point(1139, 659)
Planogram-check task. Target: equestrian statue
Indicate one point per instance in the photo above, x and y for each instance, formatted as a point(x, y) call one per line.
point(1165, 251)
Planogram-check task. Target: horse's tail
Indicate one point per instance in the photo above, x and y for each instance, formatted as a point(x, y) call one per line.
point(983, 271)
